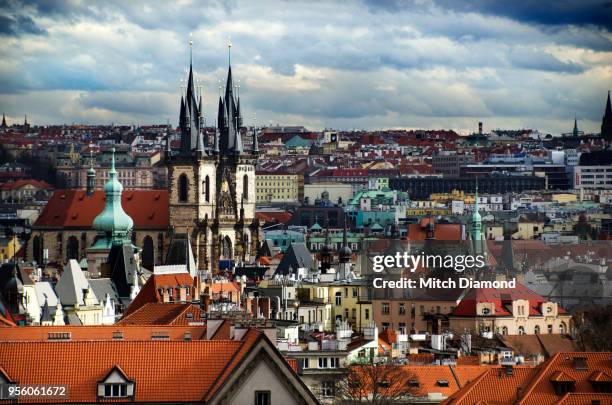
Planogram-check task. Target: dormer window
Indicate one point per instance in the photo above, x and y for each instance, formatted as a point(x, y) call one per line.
point(116, 385)
point(486, 311)
point(115, 390)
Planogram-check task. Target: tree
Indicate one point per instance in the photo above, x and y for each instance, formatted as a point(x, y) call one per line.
point(378, 384)
point(594, 329)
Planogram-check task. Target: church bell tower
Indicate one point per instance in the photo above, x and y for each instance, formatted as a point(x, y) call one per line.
point(212, 188)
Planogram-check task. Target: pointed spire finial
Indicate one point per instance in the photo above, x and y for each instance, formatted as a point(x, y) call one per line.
point(190, 48)
point(113, 171)
point(229, 50)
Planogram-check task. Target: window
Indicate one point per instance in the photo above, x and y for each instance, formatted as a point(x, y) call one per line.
point(245, 187)
point(322, 362)
point(355, 292)
point(550, 329)
point(505, 330)
point(521, 330)
point(334, 362)
point(327, 388)
point(305, 362)
point(338, 299)
point(367, 314)
point(385, 308)
point(536, 330)
point(182, 188)
point(115, 390)
point(207, 189)
point(402, 308)
point(263, 398)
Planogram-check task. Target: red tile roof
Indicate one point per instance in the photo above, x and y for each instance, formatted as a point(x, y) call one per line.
point(74, 209)
point(12, 185)
point(164, 314)
point(502, 298)
point(281, 217)
point(163, 371)
point(534, 386)
point(441, 231)
point(101, 332)
point(149, 293)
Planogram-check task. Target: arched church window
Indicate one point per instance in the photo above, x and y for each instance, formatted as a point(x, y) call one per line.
point(245, 187)
point(72, 248)
point(182, 188)
point(148, 254)
point(37, 250)
point(206, 187)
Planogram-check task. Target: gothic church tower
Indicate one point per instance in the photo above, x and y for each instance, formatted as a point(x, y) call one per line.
point(212, 188)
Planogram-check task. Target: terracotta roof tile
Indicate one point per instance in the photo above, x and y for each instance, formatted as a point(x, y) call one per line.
point(105, 332)
point(164, 314)
point(149, 293)
point(74, 209)
point(163, 371)
point(534, 386)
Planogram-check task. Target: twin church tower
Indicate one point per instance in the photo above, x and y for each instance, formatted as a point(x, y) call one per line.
point(212, 185)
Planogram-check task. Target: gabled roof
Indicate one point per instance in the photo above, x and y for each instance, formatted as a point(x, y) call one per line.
point(296, 256)
point(187, 372)
point(526, 385)
point(502, 299)
point(71, 284)
point(68, 208)
point(149, 292)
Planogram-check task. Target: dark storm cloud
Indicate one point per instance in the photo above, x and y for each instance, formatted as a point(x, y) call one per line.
point(546, 12)
point(555, 12)
point(431, 63)
point(15, 26)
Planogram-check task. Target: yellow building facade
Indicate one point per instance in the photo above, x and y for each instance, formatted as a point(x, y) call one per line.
point(279, 187)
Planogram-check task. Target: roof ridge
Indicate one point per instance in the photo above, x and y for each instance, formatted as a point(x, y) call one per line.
point(537, 377)
point(454, 375)
point(244, 342)
point(470, 386)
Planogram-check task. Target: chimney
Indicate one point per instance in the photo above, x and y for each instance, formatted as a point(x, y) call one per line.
point(264, 305)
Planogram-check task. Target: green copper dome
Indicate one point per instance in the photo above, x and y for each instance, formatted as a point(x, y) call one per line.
point(113, 222)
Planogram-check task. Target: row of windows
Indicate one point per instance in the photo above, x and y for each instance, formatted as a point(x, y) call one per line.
point(183, 188)
point(323, 362)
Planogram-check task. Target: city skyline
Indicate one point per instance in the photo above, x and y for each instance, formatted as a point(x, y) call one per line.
point(357, 65)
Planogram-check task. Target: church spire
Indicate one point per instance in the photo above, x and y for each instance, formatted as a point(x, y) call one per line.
point(606, 122)
point(575, 131)
point(345, 253)
point(91, 174)
point(3, 121)
point(229, 117)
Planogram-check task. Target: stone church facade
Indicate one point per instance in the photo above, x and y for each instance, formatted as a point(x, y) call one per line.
point(212, 185)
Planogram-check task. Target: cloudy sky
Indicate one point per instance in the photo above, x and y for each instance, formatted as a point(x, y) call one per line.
point(344, 64)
